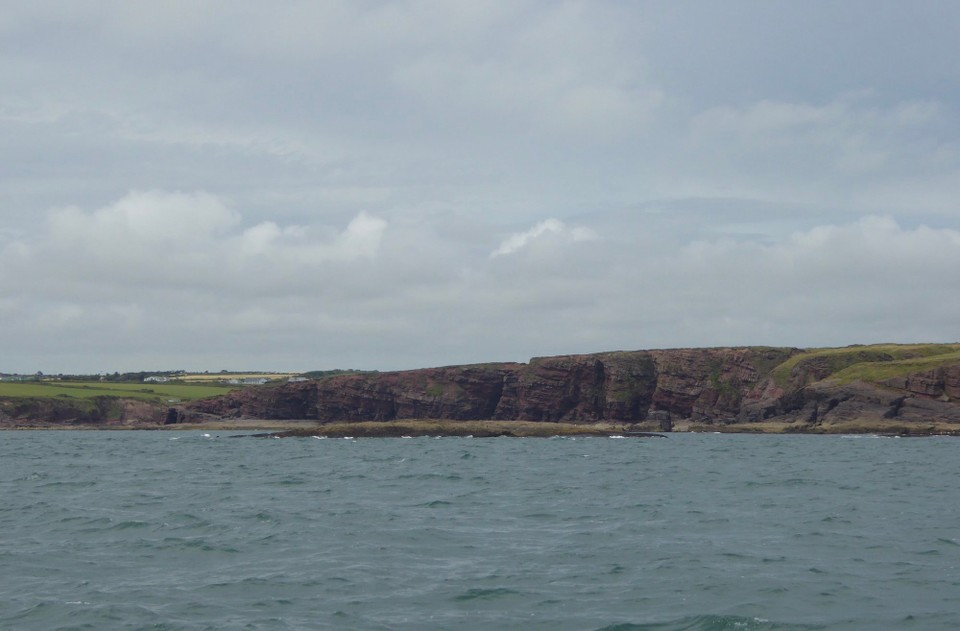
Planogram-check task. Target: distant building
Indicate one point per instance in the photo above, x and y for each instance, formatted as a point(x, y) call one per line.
point(296, 379)
point(156, 379)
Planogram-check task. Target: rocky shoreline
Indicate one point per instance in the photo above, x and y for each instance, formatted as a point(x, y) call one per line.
point(486, 429)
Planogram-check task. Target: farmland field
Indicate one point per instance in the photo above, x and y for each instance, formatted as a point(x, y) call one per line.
point(214, 377)
point(86, 390)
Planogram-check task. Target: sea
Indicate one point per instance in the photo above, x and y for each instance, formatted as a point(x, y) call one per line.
point(204, 530)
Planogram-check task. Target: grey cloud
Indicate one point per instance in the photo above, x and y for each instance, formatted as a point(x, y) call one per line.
point(389, 185)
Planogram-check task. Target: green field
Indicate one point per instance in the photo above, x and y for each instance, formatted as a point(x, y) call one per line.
point(87, 390)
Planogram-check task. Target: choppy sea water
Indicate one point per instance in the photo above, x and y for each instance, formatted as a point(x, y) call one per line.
point(163, 530)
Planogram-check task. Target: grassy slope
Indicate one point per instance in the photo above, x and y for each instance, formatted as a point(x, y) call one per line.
point(879, 371)
point(873, 362)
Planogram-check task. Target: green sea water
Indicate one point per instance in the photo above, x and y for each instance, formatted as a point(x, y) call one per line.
point(186, 530)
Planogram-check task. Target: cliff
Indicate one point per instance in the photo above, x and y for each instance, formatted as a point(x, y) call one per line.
point(900, 388)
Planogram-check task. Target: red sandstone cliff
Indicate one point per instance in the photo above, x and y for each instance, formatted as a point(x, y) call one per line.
point(663, 385)
point(806, 389)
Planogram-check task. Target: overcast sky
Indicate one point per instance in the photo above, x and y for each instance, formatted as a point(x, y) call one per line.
point(297, 185)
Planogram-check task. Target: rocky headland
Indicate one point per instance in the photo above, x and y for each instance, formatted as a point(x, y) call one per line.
point(901, 389)
point(895, 389)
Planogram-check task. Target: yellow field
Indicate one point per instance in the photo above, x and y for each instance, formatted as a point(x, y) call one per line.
point(218, 377)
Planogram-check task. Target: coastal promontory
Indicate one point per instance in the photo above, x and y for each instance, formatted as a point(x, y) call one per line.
point(903, 389)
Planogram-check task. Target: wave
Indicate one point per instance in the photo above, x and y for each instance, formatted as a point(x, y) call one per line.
point(712, 623)
point(486, 594)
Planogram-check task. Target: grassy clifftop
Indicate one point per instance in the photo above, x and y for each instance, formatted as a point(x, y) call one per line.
point(868, 363)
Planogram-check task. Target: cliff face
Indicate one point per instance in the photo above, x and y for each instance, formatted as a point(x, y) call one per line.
point(809, 390)
point(660, 386)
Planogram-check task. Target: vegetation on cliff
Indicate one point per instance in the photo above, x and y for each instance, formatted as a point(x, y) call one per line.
point(858, 361)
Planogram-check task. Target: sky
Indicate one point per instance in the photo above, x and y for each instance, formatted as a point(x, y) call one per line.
point(309, 185)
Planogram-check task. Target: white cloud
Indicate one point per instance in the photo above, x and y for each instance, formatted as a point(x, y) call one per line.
point(297, 246)
point(156, 239)
point(150, 218)
point(312, 292)
point(260, 238)
point(520, 240)
point(361, 238)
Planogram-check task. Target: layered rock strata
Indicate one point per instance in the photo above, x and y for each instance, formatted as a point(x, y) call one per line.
point(659, 388)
